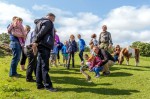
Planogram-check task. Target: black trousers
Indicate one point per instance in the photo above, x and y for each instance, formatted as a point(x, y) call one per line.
point(32, 63)
point(42, 70)
point(58, 56)
point(81, 55)
point(69, 59)
point(23, 57)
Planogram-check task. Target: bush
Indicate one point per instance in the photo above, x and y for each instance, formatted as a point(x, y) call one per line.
point(4, 38)
point(143, 47)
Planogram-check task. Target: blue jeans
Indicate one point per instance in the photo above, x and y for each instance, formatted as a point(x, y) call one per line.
point(16, 52)
point(97, 70)
point(116, 57)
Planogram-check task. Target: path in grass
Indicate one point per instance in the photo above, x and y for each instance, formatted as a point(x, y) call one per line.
point(125, 82)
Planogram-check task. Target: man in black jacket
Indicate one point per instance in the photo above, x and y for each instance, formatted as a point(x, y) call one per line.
point(108, 60)
point(44, 26)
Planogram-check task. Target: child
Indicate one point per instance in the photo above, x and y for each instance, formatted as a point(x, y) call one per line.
point(82, 45)
point(117, 52)
point(95, 42)
point(72, 48)
point(65, 53)
point(53, 56)
point(85, 67)
point(96, 66)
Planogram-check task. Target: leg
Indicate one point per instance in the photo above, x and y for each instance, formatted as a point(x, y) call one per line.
point(23, 60)
point(69, 58)
point(82, 70)
point(81, 56)
point(72, 59)
point(16, 52)
point(127, 59)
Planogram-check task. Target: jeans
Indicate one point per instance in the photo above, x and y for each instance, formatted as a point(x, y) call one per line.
point(97, 70)
point(16, 53)
point(32, 63)
point(116, 57)
point(43, 68)
point(81, 55)
point(69, 58)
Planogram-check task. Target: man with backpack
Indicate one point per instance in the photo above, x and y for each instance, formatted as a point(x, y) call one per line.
point(44, 42)
point(105, 40)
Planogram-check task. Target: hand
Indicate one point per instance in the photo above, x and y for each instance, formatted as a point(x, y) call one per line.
point(110, 46)
point(34, 44)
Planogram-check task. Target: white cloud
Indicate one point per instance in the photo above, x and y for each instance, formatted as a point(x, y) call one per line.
point(7, 11)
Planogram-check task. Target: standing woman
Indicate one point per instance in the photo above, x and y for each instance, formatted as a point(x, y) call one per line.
point(72, 48)
point(15, 47)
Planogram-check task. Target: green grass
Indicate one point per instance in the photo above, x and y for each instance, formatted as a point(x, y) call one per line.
point(125, 82)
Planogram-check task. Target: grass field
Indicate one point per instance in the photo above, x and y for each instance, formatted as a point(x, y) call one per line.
point(125, 82)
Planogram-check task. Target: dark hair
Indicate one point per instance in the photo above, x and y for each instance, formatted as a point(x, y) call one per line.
point(86, 55)
point(51, 14)
point(93, 35)
point(28, 27)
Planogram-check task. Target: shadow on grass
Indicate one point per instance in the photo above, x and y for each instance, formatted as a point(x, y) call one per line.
point(120, 74)
point(72, 81)
point(104, 91)
point(64, 71)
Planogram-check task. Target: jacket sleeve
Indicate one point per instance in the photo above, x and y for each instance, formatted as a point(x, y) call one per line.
point(9, 28)
point(99, 39)
point(93, 64)
point(43, 30)
point(105, 57)
point(100, 63)
point(110, 39)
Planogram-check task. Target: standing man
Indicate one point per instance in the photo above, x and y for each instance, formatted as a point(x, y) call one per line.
point(105, 40)
point(44, 33)
point(81, 44)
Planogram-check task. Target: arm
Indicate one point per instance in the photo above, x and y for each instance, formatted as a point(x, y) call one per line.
point(9, 28)
point(44, 29)
point(110, 39)
point(99, 39)
point(100, 63)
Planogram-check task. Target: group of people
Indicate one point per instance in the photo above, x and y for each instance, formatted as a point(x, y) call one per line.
point(42, 48)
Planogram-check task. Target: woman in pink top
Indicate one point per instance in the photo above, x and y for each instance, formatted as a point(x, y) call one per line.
point(17, 28)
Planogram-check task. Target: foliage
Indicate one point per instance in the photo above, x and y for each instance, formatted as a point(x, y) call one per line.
point(4, 38)
point(143, 47)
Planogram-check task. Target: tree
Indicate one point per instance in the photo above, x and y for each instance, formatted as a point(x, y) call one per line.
point(4, 38)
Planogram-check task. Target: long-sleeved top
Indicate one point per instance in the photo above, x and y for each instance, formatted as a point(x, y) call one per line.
point(96, 62)
point(105, 56)
point(57, 40)
point(82, 44)
point(64, 49)
point(105, 37)
point(30, 38)
point(72, 46)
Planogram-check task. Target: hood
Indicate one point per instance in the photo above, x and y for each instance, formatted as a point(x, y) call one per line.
point(36, 21)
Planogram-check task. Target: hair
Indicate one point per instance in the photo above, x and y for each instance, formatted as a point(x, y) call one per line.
point(104, 26)
point(86, 55)
point(93, 35)
point(117, 46)
point(79, 35)
point(28, 27)
point(19, 19)
point(72, 36)
point(14, 18)
point(51, 14)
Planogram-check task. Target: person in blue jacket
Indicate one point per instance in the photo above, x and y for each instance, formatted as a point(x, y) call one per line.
point(81, 44)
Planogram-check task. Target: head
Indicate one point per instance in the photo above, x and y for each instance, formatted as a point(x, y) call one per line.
point(79, 36)
point(65, 43)
point(104, 28)
point(93, 35)
point(117, 47)
point(86, 57)
point(27, 28)
point(72, 37)
point(95, 49)
point(19, 20)
point(14, 18)
point(51, 16)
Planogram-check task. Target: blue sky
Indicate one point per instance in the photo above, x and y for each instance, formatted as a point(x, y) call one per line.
point(127, 20)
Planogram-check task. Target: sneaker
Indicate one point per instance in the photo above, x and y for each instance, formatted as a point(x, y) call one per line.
point(106, 73)
point(30, 80)
point(52, 89)
point(97, 76)
point(40, 87)
point(89, 78)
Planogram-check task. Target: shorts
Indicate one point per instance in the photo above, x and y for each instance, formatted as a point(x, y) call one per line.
point(65, 56)
point(53, 56)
